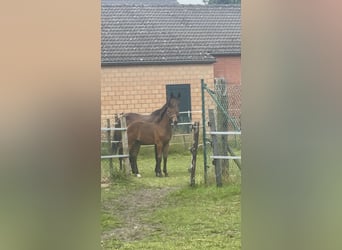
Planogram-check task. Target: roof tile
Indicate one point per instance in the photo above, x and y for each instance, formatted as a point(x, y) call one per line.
point(169, 34)
point(140, 2)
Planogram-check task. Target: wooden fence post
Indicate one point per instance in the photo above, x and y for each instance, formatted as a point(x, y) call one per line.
point(110, 149)
point(216, 150)
point(193, 151)
point(237, 161)
point(222, 121)
point(126, 164)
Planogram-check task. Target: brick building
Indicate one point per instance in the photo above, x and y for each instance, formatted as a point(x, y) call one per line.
point(149, 51)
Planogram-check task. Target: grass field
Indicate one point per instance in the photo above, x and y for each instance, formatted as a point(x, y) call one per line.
point(166, 213)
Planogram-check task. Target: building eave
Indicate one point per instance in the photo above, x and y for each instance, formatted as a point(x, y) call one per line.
point(155, 63)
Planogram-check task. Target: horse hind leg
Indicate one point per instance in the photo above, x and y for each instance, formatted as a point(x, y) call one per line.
point(120, 153)
point(117, 149)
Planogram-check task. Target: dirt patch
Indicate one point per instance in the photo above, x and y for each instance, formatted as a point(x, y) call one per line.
point(131, 208)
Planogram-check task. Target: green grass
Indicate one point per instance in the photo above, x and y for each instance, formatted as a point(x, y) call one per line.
point(201, 218)
point(204, 217)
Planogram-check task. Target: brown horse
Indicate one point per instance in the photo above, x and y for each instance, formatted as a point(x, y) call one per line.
point(132, 117)
point(154, 130)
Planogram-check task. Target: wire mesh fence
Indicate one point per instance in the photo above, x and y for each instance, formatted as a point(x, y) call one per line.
point(221, 131)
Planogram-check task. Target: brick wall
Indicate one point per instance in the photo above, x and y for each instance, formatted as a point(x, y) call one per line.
point(228, 67)
point(141, 89)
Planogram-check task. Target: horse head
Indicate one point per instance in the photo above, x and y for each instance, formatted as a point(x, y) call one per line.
point(173, 108)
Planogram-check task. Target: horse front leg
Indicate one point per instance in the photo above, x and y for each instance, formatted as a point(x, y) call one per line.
point(158, 161)
point(156, 158)
point(165, 154)
point(132, 161)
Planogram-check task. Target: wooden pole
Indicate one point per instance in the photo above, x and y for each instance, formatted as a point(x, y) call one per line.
point(237, 161)
point(203, 86)
point(193, 151)
point(110, 149)
point(126, 164)
point(216, 150)
point(222, 122)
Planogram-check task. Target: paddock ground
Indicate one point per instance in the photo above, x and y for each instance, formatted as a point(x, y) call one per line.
point(166, 213)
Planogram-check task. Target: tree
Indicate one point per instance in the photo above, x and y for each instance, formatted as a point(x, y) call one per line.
point(221, 1)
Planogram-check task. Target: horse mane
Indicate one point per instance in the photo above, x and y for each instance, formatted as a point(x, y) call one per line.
point(157, 112)
point(160, 112)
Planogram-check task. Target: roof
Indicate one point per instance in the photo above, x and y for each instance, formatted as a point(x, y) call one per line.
point(140, 2)
point(175, 34)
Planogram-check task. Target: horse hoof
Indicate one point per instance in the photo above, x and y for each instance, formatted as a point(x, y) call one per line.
point(138, 175)
point(159, 175)
point(166, 175)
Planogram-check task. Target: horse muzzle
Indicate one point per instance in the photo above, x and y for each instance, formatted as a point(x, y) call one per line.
point(174, 121)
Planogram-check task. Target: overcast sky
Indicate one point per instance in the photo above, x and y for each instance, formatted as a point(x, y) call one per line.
point(190, 1)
